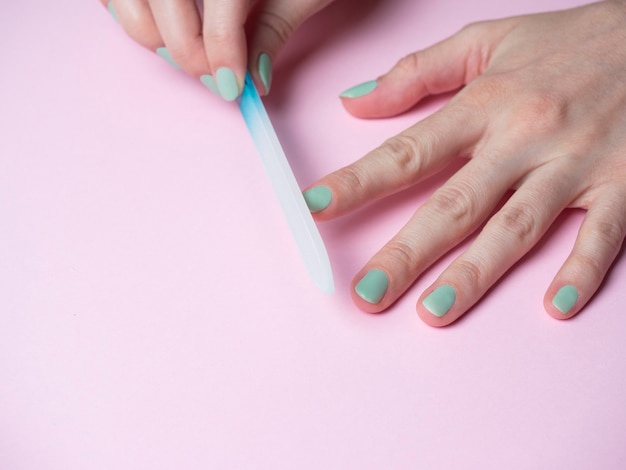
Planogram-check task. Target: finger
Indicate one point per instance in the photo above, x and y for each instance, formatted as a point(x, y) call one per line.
point(136, 19)
point(270, 25)
point(444, 67)
point(225, 44)
point(598, 243)
point(108, 4)
point(181, 30)
point(400, 162)
point(451, 214)
point(508, 235)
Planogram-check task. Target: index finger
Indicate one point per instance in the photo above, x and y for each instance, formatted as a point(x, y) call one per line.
point(400, 162)
point(225, 44)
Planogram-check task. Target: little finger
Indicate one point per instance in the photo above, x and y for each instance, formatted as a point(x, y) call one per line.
point(598, 243)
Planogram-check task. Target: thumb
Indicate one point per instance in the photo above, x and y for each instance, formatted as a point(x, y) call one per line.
point(270, 25)
point(443, 67)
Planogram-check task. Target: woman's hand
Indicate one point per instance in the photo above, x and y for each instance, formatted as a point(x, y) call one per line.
point(217, 42)
point(543, 110)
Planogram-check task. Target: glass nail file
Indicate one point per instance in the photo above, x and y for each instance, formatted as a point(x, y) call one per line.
point(301, 223)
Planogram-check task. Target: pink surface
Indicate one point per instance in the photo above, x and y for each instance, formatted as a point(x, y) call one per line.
point(155, 313)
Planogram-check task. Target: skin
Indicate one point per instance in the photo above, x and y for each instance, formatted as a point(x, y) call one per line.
point(228, 33)
point(542, 110)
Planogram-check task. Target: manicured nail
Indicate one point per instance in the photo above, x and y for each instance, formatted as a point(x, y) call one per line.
point(361, 89)
point(439, 301)
point(372, 286)
point(165, 54)
point(227, 83)
point(265, 71)
point(209, 82)
point(565, 299)
point(112, 11)
point(318, 198)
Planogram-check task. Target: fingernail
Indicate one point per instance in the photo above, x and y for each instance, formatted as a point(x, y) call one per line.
point(265, 71)
point(361, 89)
point(565, 299)
point(372, 286)
point(112, 11)
point(209, 82)
point(227, 83)
point(318, 198)
point(165, 54)
point(439, 301)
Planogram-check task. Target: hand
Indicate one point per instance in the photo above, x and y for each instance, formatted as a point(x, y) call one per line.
point(542, 111)
point(217, 46)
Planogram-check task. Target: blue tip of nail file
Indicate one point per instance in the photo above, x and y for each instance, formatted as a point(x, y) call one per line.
point(298, 215)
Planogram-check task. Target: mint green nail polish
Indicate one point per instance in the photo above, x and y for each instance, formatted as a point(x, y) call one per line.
point(361, 89)
point(165, 54)
point(209, 82)
point(565, 299)
point(265, 71)
point(112, 11)
point(318, 198)
point(439, 301)
point(227, 83)
point(372, 286)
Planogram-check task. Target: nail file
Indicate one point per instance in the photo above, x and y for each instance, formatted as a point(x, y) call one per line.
point(301, 223)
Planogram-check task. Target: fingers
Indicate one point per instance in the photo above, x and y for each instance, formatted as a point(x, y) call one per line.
point(213, 46)
point(450, 215)
point(444, 67)
point(508, 236)
point(598, 243)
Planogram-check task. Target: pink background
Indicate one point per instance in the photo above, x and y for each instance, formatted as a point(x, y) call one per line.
point(155, 313)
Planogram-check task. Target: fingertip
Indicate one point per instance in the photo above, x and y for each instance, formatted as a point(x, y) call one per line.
point(164, 53)
point(265, 71)
point(380, 98)
point(112, 11)
point(360, 99)
point(322, 200)
point(562, 302)
point(432, 320)
point(370, 290)
point(227, 83)
point(261, 71)
point(435, 306)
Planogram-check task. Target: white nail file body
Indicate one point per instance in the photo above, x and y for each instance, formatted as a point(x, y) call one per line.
point(286, 187)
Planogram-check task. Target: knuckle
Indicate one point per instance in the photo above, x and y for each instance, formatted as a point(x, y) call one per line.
point(592, 266)
point(487, 88)
point(409, 63)
point(277, 24)
point(402, 253)
point(352, 179)
point(455, 201)
point(403, 151)
point(520, 222)
point(610, 234)
point(473, 29)
point(543, 112)
point(470, 273)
